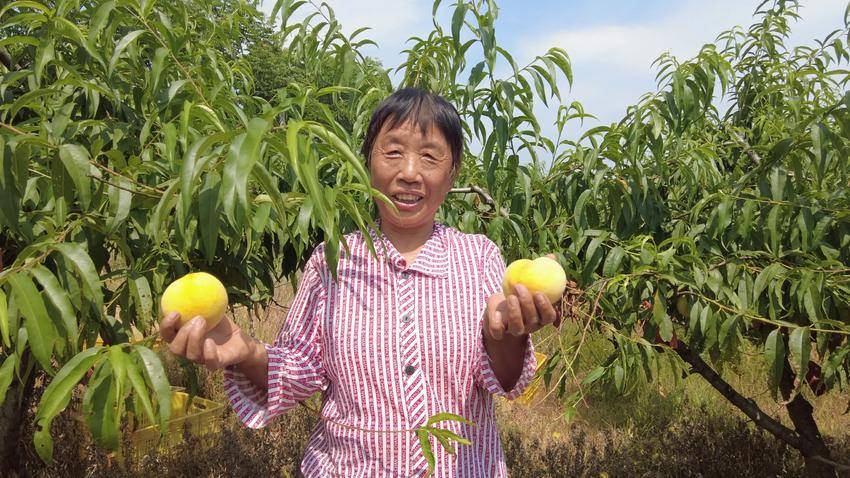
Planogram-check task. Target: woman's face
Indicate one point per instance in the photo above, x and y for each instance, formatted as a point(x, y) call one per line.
point(414, 170)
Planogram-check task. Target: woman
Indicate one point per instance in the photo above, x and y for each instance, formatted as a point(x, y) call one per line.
point(421, 329)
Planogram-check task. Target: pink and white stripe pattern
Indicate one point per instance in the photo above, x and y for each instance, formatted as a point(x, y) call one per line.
point(389, 344)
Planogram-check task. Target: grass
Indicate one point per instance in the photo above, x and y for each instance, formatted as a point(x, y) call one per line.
point(670, 428)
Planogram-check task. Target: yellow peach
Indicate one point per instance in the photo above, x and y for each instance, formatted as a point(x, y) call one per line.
point(196, 294)
point(543, 275)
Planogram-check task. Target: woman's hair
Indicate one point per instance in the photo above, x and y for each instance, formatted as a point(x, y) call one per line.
point(421, 108)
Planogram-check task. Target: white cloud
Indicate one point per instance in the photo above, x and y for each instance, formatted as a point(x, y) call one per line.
point(612, 63)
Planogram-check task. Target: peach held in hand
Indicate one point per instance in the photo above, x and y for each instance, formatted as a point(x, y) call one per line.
point(196, 294)
point(543, 275)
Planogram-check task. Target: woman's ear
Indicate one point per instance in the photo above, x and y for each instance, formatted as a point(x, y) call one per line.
point(455, 171)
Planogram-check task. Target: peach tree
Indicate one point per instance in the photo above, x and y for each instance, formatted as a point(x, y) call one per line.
point(136, 144)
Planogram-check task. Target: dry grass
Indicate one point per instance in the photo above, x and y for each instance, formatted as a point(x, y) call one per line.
point(661, 430)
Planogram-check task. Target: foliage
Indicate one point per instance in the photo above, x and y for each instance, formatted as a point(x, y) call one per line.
point(133, 151)
point(141, 140)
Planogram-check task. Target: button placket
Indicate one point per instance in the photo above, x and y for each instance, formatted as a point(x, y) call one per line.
point(410, 363)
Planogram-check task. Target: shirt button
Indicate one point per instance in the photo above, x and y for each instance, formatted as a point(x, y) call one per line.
point(405, 318)
point(404, 275)
point(409, 370)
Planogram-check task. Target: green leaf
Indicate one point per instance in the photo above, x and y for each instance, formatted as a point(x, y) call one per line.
point(70, 31)
point(441, 417)
point(457, 23)
point(728, 332)
point(578, 211)
point(120, 200)
point(98, 21)
point(244, 152)
point(594, 375)
point(450, 435)
point(119, 363)
point(193, 165)
point(140, 290)
point(40, 329)
point(75, 158)
point(7, 373)
point(613, 261)
point(57, 395)
point(425, 444)
point(661, 318)
point(156, 375)
point(101, 406)
point(773, 230)
point(44, 55)
point(9, 194)
point(800, 345)
point(19, 4)
point(765, 277)
point(85, 267)
point(120, 47)
point(156, 226)
point(139, 388)
point(4, 320)
point(774, 355)
point(208, 215)
point(444, 441)
point(59, 298)
point(262, 176)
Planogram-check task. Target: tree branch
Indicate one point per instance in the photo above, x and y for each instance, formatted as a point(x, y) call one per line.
point(805, 445)
point(746, 405)
point(746, 146)
point(123, 188)
point(485, 196)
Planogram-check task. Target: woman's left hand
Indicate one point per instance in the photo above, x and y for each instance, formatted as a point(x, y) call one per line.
point(518, 314)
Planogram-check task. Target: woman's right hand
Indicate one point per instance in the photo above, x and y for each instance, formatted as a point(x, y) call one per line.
point(222, 346)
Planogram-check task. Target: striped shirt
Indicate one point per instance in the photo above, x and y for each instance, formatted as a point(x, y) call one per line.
point(389, 344)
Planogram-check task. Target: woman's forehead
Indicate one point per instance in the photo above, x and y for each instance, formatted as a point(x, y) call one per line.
point(429, 134)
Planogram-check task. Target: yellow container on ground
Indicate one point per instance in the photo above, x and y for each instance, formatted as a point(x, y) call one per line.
point(536, 384)
point(201, 417)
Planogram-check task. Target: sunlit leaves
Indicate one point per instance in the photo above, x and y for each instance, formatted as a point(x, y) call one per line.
point(137, 146)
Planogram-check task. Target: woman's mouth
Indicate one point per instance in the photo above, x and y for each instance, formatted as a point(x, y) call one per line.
point(406, 202)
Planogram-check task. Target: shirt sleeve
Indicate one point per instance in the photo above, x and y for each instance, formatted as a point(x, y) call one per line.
point(295, 359)
point(493, 268)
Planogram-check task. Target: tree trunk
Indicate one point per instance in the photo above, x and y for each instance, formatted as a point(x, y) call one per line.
point(812, 445)
point(12, 413)
point(805, 436)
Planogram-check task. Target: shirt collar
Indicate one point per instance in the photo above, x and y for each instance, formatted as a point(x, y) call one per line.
point(432, 260)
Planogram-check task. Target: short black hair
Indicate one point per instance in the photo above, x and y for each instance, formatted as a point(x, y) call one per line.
point(422, 108)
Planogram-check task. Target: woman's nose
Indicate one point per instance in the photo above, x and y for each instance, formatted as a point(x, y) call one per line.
point(409, 169)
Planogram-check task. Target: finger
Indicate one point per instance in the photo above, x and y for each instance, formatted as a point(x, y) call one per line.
point(177, 346)
point(545, 309)
point(494, 320)
point(552, 256)
point(195, 341)
point(211, 356)
point(527, 307)
point(169, 326)
point(515, 324)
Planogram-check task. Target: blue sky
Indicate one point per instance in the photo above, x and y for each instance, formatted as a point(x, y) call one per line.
point(612, 43)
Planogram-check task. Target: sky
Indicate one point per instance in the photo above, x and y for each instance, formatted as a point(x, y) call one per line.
point(612, 43)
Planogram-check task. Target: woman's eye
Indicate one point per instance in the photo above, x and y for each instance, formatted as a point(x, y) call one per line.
point(394, 153)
